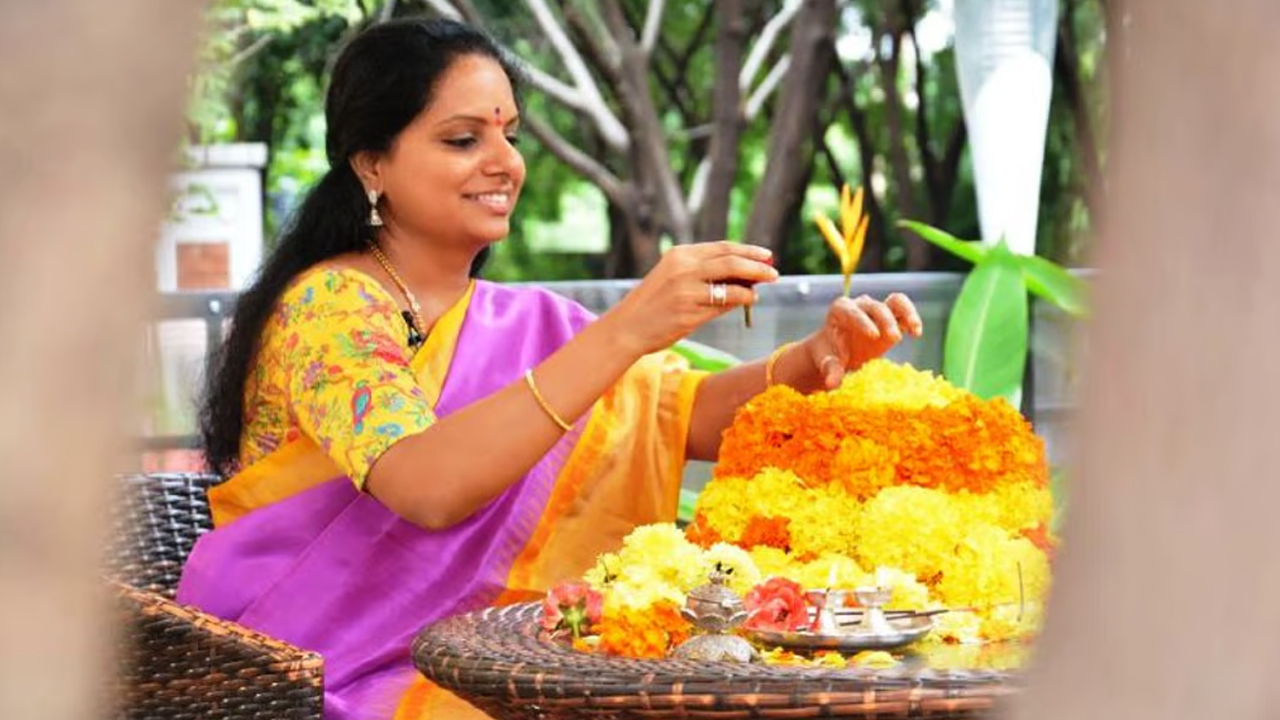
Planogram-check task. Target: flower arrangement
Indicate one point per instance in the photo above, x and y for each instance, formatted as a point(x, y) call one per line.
point(895, 478)
point(945, 495)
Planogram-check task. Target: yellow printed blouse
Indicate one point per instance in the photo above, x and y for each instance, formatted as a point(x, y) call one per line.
point(333, 366)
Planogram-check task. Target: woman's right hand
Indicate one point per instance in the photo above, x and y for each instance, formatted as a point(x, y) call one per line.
point(689, 286)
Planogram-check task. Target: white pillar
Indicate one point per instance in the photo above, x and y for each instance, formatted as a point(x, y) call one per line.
point(1004, 57)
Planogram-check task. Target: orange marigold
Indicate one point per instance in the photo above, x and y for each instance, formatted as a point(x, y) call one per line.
point(825, 438)
point(767, 531)
point(700, 533)
point(642, 633)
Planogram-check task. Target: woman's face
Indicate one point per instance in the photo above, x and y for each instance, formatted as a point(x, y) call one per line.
point(454, 173)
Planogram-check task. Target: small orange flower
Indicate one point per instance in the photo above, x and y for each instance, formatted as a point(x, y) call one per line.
point(700, 533)
point(767, 531)
point(643, 633)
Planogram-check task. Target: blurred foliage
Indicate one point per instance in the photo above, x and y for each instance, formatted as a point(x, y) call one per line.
point(265, 62)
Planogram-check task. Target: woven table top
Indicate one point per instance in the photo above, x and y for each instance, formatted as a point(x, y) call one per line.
point(496, 659)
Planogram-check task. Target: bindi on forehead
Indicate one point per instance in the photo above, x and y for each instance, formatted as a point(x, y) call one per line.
point(497, 116)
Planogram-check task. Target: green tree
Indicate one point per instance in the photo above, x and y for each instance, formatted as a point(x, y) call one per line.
point(658, 122)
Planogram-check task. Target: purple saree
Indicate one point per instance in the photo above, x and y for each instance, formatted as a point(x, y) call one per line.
point(332, 570)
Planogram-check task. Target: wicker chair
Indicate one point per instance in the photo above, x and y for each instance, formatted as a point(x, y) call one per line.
point(177, 661)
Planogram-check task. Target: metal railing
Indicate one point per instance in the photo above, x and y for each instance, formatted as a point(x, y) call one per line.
point(788, 310)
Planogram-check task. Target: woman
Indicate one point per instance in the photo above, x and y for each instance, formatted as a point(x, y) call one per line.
point(405, 442)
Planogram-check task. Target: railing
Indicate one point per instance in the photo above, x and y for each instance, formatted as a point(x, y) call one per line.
point(188, 324)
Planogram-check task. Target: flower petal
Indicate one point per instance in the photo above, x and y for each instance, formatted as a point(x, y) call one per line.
point(832, 236)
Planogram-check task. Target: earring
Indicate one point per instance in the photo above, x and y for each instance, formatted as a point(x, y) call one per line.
point(375, 220)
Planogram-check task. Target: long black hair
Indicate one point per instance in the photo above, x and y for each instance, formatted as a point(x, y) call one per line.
point(381, 81)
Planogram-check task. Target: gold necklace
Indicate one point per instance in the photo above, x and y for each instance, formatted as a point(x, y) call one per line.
point(414, 315)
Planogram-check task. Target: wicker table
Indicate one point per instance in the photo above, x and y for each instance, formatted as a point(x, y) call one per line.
point(495, 660)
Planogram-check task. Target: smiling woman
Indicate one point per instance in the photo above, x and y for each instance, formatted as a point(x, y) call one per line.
point(404, 441)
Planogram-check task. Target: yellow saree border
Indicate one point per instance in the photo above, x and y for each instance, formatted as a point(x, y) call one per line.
point(300, 464)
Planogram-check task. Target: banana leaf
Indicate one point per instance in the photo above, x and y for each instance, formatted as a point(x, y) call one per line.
point(1050, 281)
point(705, 357)
point(970, 250)
point(1045, 278)
point(985, 349)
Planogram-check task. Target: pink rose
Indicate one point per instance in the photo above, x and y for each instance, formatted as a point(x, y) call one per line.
point(571, 606)
point(776, 604)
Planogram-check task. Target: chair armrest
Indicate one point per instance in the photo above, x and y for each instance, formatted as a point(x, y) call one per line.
point(179, 662)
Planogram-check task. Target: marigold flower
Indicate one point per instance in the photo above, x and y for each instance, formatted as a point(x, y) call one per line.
point(643, 633)
point(894, 478)
point(734, 562)
point(771, 531)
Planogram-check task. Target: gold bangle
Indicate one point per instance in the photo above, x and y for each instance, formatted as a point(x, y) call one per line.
point(546, 407)
point(773, 360)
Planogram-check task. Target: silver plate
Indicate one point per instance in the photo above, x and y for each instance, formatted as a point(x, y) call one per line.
point(909, 629)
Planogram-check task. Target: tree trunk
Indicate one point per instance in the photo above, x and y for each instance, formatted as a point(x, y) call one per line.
point(731, 33)
point(620, 262)
point(643, 237)
point(900, 162)
point(873, 249)
point(649, 149)
point(1066, 68)
point(790, 148)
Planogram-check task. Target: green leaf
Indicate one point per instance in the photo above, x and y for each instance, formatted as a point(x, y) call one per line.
point(985, 350)
point(705, 357)
point(1044, 277)
point(1052, 282)
point(970, 250)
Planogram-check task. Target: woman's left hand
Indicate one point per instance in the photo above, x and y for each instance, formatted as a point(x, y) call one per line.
point(858, 330)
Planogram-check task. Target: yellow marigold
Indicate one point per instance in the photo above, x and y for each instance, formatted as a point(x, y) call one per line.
point(740, 511)
point(826, 522)
point(640, 588)
point(647, 633)
point(1011, 622)
point(782, 656)
point(729, 503)
point(996, 573)
point(913, 528)
point(908, 592)
point(830, 659)
point(1014, 506)
point(773, 562)
point(831, 570)
point(663, 553)
point(955, 628)
point(883, 382)
point(604, 572)
point(876, 659)
point(742, 570)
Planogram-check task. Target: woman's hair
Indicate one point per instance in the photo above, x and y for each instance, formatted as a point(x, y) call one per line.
point(381, 81)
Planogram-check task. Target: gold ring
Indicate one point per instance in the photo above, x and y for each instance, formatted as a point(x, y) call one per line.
point(719, 294)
